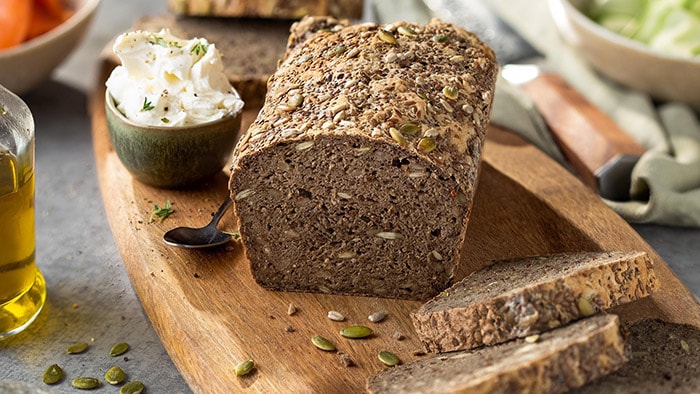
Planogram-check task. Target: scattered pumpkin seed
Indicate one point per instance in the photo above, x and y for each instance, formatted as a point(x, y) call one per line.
point(115, 375)
point(336, 316)
point(409, 129)
point(406, 31)
point(451, 92)
point(77, 348)
point(386, 36)
point(323, 343)
point(441, 38)
point(376, 317)
point(389, 358)
point(356, 332)
point(585, 306)
point(397, 136)
point(118, 349)
point(85, 383)
point(133, 387)
point(53, 374)
point(244, 368)
point(427, 144)
point(389, 235)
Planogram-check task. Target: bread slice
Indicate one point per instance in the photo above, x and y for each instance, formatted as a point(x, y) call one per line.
point(558, 361)
point(358, 175)
point(281, 9)
point(519, 297)
point(664, 359)
point(250, 48)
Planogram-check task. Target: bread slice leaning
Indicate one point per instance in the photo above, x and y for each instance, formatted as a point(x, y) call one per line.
point(560, 360)
point(519, 297)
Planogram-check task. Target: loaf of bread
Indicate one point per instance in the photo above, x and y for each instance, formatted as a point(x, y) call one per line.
point(664, 359)
point(554, 362)
point(520, 297)
point(250, 48)
point(358, 175)
point(281, 9)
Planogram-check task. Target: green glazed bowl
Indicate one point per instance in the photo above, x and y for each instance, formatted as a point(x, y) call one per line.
point(171, 157)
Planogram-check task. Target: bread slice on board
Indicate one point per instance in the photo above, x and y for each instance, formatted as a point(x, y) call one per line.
point(519, 297)
point(282, 9)
point(664, 359)
point(358, 175)
point(250, 48)
point(557, 361)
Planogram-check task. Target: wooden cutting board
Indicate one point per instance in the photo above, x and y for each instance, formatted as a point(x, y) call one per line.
point(210, 314)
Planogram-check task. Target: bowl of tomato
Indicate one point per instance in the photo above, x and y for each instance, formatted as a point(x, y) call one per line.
point(37, 35)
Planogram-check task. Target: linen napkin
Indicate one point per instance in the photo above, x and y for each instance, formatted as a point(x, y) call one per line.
point(665, 185)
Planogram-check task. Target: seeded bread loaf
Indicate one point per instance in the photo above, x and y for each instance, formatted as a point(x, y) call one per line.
point(664, 359)
point(358, 175)
point(555, 362)
point(250, 48)
point(283, 9)
point(519, 297)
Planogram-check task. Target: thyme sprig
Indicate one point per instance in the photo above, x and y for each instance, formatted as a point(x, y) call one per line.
point(159, 213)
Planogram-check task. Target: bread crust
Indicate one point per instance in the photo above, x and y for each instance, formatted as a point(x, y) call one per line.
point(281, 9)
point(566, 287)
point(364, 110)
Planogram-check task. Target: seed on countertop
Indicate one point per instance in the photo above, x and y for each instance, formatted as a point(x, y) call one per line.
point(133, 387)
point(291, 309)
point(53, 374)
point(386, 36)
point(85, 383)
point(376, 317)
point(336, 316)
point(398, 336)
point(345, 359)
point(77, 348)
point(323, 343)
point(356, 332)
point(119, 349)
point(115, 375)
point(244, 367)
point(389, 358)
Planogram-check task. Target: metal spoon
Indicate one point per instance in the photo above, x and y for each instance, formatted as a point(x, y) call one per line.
point(205, 237)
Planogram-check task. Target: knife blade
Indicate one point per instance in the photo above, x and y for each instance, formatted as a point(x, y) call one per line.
point(600, 152)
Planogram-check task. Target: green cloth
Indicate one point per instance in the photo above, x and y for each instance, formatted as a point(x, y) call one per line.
point(665, 185)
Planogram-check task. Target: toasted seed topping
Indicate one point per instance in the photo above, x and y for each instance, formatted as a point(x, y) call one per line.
point(441, 38)
point(406, 31)
point(450, 92)
point(338, 50)
point(386, 36)
point(389, 235)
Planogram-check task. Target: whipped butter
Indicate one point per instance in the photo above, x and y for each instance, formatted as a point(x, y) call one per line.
point(164, 80)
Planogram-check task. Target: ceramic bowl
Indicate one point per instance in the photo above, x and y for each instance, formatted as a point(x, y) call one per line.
point(172, 157)
point(628, 62)
point(27, 65)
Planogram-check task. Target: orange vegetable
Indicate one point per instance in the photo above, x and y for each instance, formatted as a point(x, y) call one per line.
point(15, 17)
point(22, 20)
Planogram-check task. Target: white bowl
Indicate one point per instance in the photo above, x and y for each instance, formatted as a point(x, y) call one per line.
point(628, 62)
point(27, 65)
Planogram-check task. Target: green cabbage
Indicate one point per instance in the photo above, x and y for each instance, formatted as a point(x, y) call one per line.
point(669, 26)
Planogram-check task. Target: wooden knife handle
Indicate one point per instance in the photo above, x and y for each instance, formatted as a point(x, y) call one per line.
point(587, 137)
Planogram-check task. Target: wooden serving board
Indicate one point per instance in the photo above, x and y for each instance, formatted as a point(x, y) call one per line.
point(210, 314)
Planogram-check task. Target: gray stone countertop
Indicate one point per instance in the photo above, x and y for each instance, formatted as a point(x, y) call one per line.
point(90, 297)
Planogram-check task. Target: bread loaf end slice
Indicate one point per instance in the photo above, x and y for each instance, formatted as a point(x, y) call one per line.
point(273, 9)
point(358, 175)
point(557, 361)
point(519, 297)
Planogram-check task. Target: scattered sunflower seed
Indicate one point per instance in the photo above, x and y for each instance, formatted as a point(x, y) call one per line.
point(323, 343)
point(115, 375)
point(376, 317)
point(336, 316)
point(406, 31)
point(356, 332)
point(345, 359)
point(291, 309)
point(53, 374)
point(118, 349)
point(133, 387)
point(585, 306)
point(386, 36)
point(244, 368)
point(389, 358)
point(85, 383)
point(77, 348)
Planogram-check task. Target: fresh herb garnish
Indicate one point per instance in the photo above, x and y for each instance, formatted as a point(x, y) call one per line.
point(165, 120)
point(157, 40)
point(147, 105)
point(199, 48)
point(161, 213)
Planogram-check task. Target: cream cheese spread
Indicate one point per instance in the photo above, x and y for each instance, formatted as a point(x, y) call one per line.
point(164, 80)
